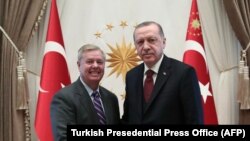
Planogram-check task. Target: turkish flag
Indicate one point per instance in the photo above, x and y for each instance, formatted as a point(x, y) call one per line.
point(54, 75)
point(195, 56)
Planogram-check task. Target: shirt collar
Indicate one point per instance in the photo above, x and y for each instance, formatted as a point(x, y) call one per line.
point(89, 90)
point(155, 68)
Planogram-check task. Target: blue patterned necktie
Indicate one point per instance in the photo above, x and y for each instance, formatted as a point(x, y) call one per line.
point(98, 107)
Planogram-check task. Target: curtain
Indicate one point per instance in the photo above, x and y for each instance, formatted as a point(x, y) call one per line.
point(19, 19)
point(220, 42)
point(238, 12)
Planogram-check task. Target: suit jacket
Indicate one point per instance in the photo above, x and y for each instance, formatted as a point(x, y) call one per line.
point(175, 99)
point(73, 105)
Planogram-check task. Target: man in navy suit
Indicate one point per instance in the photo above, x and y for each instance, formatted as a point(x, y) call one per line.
point(84, 101)
point(175, 95)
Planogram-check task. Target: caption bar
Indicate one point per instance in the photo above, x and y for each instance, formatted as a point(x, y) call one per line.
point(220, 132)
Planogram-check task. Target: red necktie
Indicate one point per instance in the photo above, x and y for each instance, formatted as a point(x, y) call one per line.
point(148, 85)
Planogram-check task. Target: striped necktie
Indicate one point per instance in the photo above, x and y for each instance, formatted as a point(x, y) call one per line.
point(98, 107)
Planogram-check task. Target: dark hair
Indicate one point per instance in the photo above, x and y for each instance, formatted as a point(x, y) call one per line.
point(147, 23)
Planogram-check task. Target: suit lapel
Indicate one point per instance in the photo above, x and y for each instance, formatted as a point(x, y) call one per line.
point(106, 104)
point(85, 100)
point(162, 77)
point(139, 95)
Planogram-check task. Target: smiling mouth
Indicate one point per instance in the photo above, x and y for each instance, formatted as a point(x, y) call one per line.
point(95, 73)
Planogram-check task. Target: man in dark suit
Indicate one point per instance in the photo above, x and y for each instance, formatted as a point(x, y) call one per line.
point(161, 90)
point(84, 101)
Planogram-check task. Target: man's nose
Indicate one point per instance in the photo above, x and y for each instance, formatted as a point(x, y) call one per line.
point(95, 64)
point(146, 46)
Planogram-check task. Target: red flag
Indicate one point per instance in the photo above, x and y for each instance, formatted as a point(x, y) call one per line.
point(54, 75)
point(195, 56)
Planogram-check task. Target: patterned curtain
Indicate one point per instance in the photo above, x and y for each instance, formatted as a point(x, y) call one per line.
point(238, 12)
point(19, 19)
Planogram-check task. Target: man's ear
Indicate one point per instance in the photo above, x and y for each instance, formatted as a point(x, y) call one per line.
point(164, 40)
point(78, 64)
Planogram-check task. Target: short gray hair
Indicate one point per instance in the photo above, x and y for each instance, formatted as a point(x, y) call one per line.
point(89, 47)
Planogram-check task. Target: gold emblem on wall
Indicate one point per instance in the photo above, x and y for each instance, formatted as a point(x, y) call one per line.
point(123, 55)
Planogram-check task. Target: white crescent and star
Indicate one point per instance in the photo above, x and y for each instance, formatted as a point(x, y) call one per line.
point(196, 46)
point(52, 46)
point(205, 91)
